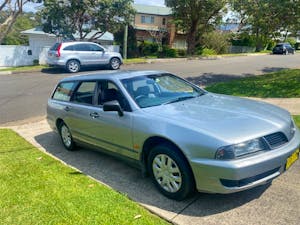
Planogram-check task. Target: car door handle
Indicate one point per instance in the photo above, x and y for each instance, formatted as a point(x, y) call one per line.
point(67, 108)
point(94, 115)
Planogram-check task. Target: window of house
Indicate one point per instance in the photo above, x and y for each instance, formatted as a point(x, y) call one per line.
point(147, 19)
point(164, 21)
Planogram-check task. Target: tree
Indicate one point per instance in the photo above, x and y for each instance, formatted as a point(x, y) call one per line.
point(23, 22)
point(266, 18)
point(10, 10)
point(195, 17)
point(65, 18)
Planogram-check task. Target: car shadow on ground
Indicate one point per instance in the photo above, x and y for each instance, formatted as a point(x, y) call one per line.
point(207, 79)
point(128, 180)
point(57, 70)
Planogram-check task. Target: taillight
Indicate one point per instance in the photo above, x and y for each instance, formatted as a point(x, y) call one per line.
point(57, 54)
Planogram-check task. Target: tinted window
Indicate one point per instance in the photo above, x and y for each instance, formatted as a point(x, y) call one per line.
point(69, 48)
point(63, 91)
point(81, 47)
point(85, 93)
point(95, 48)
point(55, 47)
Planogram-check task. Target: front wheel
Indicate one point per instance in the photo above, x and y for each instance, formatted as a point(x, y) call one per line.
point(115, 63)
point(170, 172)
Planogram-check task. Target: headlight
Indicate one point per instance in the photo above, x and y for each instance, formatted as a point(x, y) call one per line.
point(238, 150)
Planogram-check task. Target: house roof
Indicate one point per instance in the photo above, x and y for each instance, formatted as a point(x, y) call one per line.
point(107, 36)
point(153, 10)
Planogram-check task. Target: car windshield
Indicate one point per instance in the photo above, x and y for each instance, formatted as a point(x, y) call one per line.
point(159, 89)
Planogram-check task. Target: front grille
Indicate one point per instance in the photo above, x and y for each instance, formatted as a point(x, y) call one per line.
point(275, 140)
point(246, 181)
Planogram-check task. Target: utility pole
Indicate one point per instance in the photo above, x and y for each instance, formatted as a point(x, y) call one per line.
point(125, 42)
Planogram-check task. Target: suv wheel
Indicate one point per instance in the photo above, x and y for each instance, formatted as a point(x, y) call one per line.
point(73, 66)
point(115, 63)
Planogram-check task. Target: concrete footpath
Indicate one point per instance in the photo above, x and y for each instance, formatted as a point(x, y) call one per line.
point(276, 204)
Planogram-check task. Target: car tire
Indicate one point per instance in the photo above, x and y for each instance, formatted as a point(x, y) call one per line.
point(66, 137)
point(115, 63)
point(170, 172)
point(73, 66)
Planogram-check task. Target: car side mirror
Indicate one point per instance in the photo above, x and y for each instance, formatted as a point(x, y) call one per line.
point(113, 106)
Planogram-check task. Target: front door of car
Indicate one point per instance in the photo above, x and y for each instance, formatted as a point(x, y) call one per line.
point(97, 54)
point(111, 131)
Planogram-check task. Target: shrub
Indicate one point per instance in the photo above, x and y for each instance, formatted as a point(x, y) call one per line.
point(36, 62)
point(217, 41)
point(207, 52)
point(181, 52)
point(168, 52)
point(147, 48)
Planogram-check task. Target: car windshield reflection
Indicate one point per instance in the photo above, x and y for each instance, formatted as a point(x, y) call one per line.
point(160, 89)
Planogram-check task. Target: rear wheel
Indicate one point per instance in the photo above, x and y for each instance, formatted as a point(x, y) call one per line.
point(170, 172)
point(73, 66)
point(66, 136)
point(115, 63)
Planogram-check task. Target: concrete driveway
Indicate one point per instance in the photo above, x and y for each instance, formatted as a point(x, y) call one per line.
point(278, 203)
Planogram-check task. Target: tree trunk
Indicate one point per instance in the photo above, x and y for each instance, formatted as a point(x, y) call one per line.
point(191, 39)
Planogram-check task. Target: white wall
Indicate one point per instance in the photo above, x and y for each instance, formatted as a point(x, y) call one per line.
point(15, 55)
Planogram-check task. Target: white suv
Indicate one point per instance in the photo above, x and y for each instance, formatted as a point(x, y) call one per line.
point(74, 55)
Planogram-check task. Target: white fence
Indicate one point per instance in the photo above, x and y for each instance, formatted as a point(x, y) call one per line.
point(16, 55)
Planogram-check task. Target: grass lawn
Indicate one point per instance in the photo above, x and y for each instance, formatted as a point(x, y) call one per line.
point(24, 68)
point(282, 84)
point(37, 189)
point(297, 120)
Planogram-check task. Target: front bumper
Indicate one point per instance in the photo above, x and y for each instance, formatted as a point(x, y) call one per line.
point(217, 176)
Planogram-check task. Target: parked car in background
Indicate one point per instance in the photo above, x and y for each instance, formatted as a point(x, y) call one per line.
point(74, 55)
point(184, 137)
point(283, 48)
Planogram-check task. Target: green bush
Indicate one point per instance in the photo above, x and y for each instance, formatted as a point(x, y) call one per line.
point(292, 41)
point(181, 52)
point(217, 41)
point(36, 62)
point(147, 48)
point(208, 52)
point(167, 52)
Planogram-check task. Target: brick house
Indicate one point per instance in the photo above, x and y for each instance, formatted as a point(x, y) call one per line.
point(154, 24)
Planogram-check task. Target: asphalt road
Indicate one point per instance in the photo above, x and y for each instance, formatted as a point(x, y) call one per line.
point(24, 96)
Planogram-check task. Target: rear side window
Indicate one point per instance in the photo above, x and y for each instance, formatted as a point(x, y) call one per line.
point(69, 48)
point(85, 93)
point(64, 91)
point(55, 47)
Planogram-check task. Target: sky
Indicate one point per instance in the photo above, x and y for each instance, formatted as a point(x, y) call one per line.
point(31, 7)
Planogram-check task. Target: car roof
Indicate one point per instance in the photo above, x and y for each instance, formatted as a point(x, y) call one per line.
point(113, 75)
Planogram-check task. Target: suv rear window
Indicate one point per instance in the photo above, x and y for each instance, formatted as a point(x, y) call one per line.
point(55, 47)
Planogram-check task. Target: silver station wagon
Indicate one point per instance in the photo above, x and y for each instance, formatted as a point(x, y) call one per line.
point(185, 138)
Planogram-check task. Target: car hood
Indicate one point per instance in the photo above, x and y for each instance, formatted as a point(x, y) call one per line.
point(228, 118)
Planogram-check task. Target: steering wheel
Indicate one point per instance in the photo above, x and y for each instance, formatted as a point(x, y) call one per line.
point(139, 97)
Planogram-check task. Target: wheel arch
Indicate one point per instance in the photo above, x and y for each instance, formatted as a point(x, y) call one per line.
point(153, 141)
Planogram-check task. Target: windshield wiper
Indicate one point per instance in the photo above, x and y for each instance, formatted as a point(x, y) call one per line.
point(179, 99)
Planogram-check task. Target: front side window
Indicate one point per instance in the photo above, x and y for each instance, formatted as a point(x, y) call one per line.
point(85, 93)
point(153, 90)
point(81, 47)
point(95, 48)
point(64, 91)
